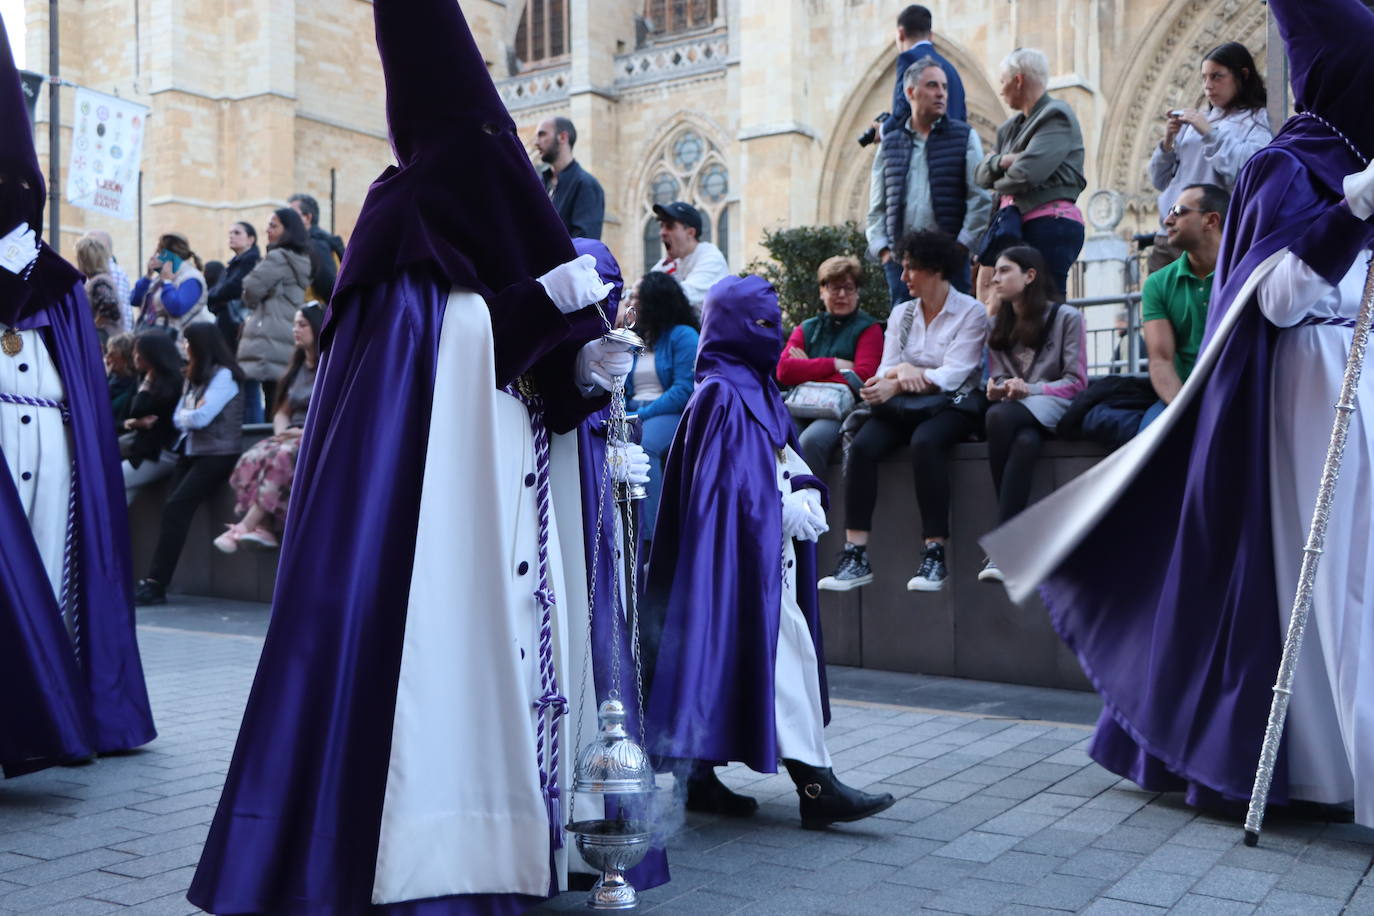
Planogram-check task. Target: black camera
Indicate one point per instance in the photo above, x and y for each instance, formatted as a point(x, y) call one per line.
point(870, 136)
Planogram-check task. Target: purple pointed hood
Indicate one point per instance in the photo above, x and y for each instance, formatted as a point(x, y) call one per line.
point(741, 340)
point(22, 191)
point(608, 268)
point(1329, 46)
point(464, 196)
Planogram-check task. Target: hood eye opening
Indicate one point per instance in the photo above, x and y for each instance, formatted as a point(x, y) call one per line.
point(765, 323)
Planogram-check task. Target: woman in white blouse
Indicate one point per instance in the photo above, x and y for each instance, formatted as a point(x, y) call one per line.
point(1209, 147)
point(926, 392)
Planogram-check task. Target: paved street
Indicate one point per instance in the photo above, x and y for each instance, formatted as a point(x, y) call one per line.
point(999, 811)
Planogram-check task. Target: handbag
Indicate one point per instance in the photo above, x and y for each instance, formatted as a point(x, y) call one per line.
point(1003, 231)
point(820, 401)
point(917, 408)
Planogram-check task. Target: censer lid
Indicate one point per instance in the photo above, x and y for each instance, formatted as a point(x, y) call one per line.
point(612, 763)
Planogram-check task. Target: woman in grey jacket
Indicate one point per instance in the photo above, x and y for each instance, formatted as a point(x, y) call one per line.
point(272, 294)
point(1037, 364)
point(1037, 167)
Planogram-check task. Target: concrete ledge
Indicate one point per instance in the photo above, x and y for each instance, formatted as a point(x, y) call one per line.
point(969, 630)
point(203, 570)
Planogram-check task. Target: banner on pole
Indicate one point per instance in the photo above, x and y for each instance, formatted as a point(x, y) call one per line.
point(32, 82)
point(107, 143)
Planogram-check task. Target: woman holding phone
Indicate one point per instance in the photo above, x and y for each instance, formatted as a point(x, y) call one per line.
point(172, 293)
point(1210, 146)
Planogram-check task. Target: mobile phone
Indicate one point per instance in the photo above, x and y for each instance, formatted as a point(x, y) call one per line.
point(852, 379)
point(1176, 113)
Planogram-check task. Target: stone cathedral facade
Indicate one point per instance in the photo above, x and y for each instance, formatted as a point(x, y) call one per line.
point(747, 108)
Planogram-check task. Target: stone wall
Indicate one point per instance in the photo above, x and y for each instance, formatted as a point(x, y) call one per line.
point(254, 99)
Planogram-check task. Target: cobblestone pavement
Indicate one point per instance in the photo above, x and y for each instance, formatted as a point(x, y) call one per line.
point(995, 814)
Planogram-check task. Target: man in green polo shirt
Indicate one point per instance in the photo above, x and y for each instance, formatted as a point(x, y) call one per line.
point(1174, 301)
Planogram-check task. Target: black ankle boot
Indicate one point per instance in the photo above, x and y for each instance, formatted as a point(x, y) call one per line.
point(707, 794)
point(825, 800)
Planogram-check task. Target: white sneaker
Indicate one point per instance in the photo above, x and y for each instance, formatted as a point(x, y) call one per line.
point(932, 574)
point(990, 572)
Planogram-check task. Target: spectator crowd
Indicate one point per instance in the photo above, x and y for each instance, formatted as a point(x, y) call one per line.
point(975, 245)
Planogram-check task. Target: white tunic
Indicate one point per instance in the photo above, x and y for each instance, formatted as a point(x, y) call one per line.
point(1330, 737)
point(463, 812)
point(37, 452)
point(797, 711)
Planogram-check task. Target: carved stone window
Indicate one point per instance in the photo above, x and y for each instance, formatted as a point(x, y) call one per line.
point(688, 167)
point(543, 33)
point(667, 17)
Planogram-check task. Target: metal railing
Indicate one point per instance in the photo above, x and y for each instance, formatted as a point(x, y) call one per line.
point(1115, 343)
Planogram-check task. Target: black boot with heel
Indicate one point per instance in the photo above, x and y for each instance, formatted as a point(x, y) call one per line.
point(825, 800)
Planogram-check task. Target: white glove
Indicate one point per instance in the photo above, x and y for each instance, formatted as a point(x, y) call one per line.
point(629, 462)
point(18, 249)
point(802, 515)
point(1359, 192)
point(602, 360)
point(575, 285)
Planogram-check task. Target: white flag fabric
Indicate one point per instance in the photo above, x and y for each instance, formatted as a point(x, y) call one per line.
point(107, 143)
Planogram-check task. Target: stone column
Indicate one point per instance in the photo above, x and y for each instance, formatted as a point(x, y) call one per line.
point(779, 148)
point(597, 32)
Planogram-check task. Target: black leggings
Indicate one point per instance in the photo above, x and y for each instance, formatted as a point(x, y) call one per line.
point(1014, 441)
point(931, 441)
point(195, 480)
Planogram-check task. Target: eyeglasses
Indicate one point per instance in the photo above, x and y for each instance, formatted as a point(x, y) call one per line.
point(1180, 210)
point(847, 289)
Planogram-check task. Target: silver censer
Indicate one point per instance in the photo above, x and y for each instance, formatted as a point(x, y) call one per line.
point(613, 764)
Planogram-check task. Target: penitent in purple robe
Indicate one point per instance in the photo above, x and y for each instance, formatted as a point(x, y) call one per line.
point(715, 576)
point(350, 760)
point(65, 695)
point(1157, 565)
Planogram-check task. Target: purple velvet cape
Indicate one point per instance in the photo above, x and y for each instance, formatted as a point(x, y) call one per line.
point(714, 571)
point(56, 708)
point(652, 871)
point(1170, 601)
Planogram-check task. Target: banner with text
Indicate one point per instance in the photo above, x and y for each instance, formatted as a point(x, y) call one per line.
point(107, 143)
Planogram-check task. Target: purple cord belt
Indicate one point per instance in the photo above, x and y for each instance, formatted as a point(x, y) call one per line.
point(551, 704)
point(1314, 320)
point(67, 604)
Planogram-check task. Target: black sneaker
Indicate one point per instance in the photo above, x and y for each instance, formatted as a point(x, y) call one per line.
point(150, 591)
point(932, 574)
point(852, 571)
point(989, 572)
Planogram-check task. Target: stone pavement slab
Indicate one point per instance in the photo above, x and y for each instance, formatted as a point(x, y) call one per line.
point(999, 811)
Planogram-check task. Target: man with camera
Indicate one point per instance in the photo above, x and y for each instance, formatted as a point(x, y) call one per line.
point(922, 177)
point(914, 26)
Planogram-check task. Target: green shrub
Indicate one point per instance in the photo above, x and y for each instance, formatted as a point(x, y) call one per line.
point(795, 254)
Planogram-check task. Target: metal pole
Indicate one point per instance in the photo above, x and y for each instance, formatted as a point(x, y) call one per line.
point(54, 135)
point(333, 199)
point(140, 217)
point(1311, 555)
point(1276, 75)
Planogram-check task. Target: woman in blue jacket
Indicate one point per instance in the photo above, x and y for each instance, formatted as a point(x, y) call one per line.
point(663, 376)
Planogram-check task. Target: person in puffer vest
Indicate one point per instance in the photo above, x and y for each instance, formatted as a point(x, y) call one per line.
point(922, 177)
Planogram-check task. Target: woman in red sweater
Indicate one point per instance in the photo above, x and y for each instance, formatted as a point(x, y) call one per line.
point(826, 345)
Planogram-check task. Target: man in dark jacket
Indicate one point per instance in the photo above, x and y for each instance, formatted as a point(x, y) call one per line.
point(914, 27)
point(576, 194)
point(224, 298)
point(326, 251)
